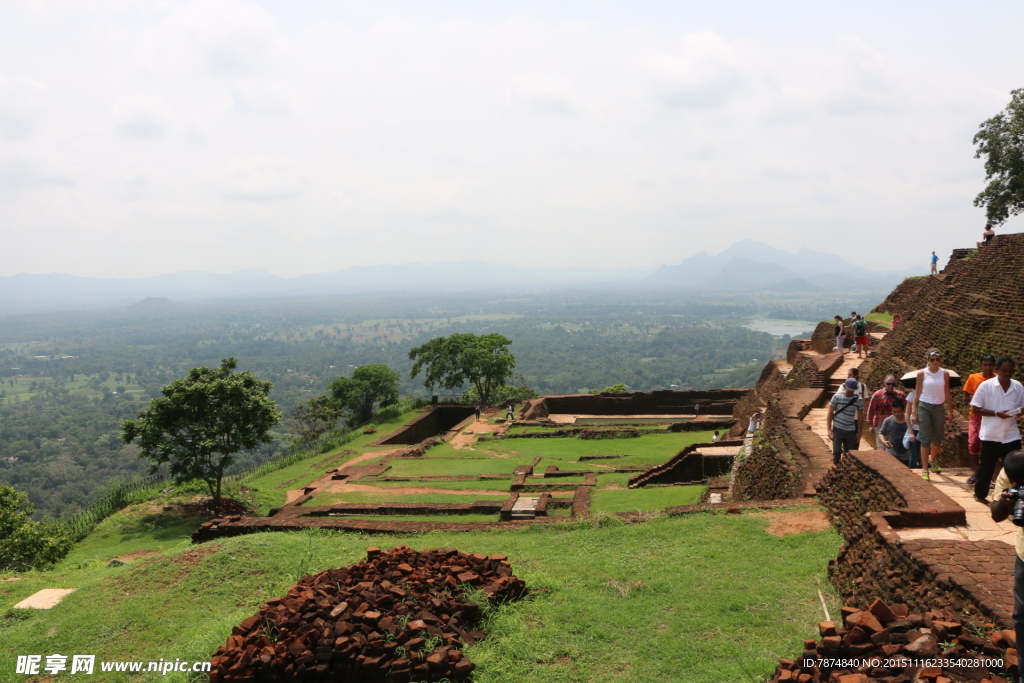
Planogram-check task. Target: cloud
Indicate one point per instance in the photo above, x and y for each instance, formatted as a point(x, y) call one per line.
point(253, 100)
point(261, 178)
point(705, 72)
point(233, 37)
point(21, 103)
point(18, 174)
point(543, 98)
point(141, 118)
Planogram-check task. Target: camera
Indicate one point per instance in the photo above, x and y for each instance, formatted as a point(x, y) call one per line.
point(1018, 505)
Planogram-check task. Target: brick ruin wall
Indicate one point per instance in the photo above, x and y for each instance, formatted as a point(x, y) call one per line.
point(437, 420)
point(715, 402)
point(769, 471)
point(974, 307)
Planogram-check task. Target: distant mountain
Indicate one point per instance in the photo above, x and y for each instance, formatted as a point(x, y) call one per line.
point(747, 266)
point(751, 266)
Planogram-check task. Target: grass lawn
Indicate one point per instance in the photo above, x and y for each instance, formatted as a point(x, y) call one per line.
point(384, 496)
point(428, 467)
point(701, 598)
point(660, 447)
point(438, 517)
point(655, 498)
point(494, 485)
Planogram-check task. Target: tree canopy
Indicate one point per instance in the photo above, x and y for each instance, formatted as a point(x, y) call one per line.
point(370, 388)
point(25, 544)
point(201, 421)
point(451, 362)
point(1001, 141)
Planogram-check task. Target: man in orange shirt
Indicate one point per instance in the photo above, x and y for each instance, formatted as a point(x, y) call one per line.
point(988, 371)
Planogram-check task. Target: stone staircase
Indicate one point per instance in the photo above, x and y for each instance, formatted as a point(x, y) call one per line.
point(525, 507)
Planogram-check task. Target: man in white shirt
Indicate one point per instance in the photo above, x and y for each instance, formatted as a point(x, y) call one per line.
point(998, 401)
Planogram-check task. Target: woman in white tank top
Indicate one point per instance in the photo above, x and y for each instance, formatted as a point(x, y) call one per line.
point(933, 408)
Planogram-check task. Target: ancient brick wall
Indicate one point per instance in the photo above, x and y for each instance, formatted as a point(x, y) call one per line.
point(769, 471)
point(435, 421)
point(716, 402)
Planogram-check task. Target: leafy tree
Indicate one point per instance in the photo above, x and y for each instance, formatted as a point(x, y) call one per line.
point(202, 421)
point(312, 419)
point(1001, 141)
point(508, 393)
point(619, 388)
point(451, 362)
point(370, 388)
point(25, 544)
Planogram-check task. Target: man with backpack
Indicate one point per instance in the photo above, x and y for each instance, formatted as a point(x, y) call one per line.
point(860, 336)
point(845, 419)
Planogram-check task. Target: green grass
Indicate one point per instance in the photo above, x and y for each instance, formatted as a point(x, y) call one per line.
point(427, 467)
point(494, 485)
point(374, 497)
point(140, 527)
point(879, 318)
point(662, 446)
point(701, 598)
point(438, 517)
point(656, 498)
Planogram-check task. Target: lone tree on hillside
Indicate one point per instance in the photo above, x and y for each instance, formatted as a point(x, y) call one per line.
point(1001, 141)
point(25, 544)
point(370, 388)
point(202, 421)
point(450, 362)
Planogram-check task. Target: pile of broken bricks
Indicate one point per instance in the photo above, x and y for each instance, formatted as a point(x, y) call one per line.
point(882, 644)
point(401, 615)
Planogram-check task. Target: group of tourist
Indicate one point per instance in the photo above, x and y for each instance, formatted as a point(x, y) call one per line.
point(859, 327)
point(911, 426)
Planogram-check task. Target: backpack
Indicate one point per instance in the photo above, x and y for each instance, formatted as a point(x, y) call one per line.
point(860, 328)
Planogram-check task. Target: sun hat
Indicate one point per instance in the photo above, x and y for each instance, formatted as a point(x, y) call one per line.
point(850, 384)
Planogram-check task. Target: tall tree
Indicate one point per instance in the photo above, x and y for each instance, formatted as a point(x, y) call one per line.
point(202, 421)
point(370, 388)
point(1001, 141)
point(451, 362)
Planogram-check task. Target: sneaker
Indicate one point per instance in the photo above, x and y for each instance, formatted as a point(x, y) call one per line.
point(936, 469)
point(983, 501)
point(924, 475)
point(971, 480)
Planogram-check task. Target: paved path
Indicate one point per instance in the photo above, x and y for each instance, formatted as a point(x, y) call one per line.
point(980, 526)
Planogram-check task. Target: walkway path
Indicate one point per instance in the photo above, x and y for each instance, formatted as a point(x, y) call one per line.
point(953, 483)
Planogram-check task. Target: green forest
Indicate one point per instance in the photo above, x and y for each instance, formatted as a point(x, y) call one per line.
point(67, 379)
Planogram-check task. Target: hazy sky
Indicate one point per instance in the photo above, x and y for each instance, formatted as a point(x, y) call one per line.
point(141, 137)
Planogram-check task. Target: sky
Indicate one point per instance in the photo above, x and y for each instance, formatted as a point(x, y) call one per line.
point(140, 137)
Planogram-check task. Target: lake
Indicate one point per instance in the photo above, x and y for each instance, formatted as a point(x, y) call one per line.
point(794, 328)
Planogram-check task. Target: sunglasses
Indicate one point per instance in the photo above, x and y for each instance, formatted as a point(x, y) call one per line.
point(890, 384)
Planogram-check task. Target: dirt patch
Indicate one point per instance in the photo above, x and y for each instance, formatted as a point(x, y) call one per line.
point(127, 557)
point(798, 522)
point(468, 437)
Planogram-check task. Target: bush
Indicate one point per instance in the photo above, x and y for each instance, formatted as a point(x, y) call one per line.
point(25, 544)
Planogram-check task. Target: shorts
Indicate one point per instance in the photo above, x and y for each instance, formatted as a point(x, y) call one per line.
point(931, 418)
point(862, 342)
point(974, 435)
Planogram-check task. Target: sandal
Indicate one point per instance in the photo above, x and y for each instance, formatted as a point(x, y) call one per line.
point(971, 480)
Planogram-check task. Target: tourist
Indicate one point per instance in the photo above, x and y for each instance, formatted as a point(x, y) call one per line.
point(840, 333)
point(935, 264)
point(862, 389)
point(755, 420)
point(880, 407)
point(896, 320)
point(893, 429)
point(988, 371)
point(987, 236)
point(910, 438)
point(714, 439)
point(511, 412)
point(933, 406)
point(860, 336)
point(845, 419)
point(479, 409)
point(998, 401)
point(1012, 477)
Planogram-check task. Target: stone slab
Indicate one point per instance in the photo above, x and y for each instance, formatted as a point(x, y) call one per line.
point(45, 599)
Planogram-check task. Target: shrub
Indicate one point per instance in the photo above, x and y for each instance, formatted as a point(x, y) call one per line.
point(25, 544)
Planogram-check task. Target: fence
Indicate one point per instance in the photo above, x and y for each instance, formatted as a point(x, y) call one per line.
point(79, 526)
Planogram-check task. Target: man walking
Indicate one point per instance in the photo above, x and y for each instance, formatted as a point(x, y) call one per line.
point(1012, 477)
point(845, 420)
point(860, 336)
point(988, 371)
point(880, 407)
point(998, 401)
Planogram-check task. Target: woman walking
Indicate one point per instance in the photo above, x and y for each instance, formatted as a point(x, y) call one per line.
point(933, 406)
point(840, 334)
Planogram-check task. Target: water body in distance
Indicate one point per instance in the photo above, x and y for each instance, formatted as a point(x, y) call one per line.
point(799, 329)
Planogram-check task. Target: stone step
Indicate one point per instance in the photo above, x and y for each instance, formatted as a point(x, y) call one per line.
point(525, 507)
